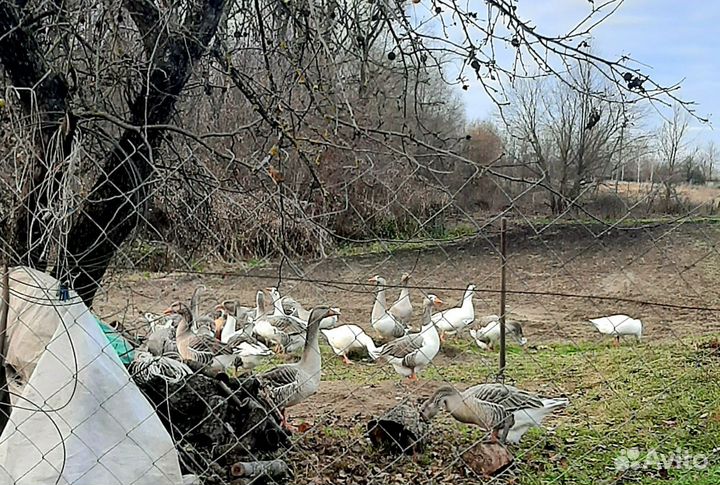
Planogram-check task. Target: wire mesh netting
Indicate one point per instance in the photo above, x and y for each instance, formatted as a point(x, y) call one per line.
point(256, 242)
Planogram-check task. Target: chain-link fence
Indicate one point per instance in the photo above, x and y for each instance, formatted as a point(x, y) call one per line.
point(255, 242)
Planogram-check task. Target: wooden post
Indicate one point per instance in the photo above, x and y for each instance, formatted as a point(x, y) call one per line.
point(503, 255)
point(5, 407)
point(273, 469)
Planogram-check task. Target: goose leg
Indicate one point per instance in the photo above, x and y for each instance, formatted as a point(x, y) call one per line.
point(617, 341)
point(494, 436)
point(442, 336)
point(285, 424)
point(505, 430)
point(413, 377)
point(346, 360)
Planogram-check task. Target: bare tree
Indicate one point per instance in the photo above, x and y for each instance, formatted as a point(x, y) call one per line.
point(574, 134)
point(672, 150)
point(307, 120)
point(709, 157)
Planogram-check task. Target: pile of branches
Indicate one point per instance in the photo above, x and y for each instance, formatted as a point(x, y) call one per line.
point(220, 425)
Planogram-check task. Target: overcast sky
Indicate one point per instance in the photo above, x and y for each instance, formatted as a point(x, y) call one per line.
point(677, 39)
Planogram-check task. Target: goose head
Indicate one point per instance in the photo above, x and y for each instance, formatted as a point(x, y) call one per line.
point(429, 301)
point(519, 336)
point(378, 280)
point(274, 292)
point(437, 401)
point(229, 306)
point(434, 300)
point(180, 308)
point(177, 308)
point(321, 312)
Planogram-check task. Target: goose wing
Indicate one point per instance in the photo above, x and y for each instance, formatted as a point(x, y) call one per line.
point(509, 397)
point(288, 324)
point(406, 348)
point(239, 337)
point(281, 382)
point(487, 414)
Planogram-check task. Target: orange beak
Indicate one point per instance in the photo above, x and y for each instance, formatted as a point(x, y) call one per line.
point(332, 313)
point(372, 280)
point(438, 302)
point(168, 311)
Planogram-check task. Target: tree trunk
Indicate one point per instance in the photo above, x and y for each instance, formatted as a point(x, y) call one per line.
point(117, 201)
point(23, 60)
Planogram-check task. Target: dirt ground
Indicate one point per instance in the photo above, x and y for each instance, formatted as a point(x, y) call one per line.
point(677, 265)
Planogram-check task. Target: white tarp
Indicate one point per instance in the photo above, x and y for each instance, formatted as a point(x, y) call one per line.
point(81, 420)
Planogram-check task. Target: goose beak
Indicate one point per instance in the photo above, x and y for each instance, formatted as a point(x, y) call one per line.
point(168, 311)
point(438, 302)
point(333, 312)
point(269, 289)
point(372, 280)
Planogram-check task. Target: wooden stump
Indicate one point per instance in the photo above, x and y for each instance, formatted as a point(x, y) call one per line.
point(399, 430)
point(487, 459)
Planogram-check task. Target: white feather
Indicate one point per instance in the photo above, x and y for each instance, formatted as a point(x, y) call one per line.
point(618, 325)
point(533, 417)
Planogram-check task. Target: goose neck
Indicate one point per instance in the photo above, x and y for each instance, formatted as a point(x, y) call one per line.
point(379, 308)
point(311, 351)
point(467, 298)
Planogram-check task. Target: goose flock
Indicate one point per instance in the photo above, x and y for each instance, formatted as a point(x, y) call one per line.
point(236, 336)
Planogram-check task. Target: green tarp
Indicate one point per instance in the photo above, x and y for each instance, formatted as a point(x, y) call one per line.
point(121, 346)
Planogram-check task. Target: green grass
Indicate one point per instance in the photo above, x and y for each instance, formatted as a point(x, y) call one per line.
point(652, 396)
point(414, 241)
point(256, 263)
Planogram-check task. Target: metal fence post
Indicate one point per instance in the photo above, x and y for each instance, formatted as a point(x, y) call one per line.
point(503, 255)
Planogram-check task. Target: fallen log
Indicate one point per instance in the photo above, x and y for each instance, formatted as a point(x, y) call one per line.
point(274, 469)
point(400, 430)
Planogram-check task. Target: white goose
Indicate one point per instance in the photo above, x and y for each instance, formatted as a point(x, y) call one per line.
point(298, 311)
point(402, 309)
point(489, 336)
point(455, 319)
point(617, 326)
point(413, 352)
point(286, 332)
point(383, 322)
point(242, 342)
point(346, 338)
